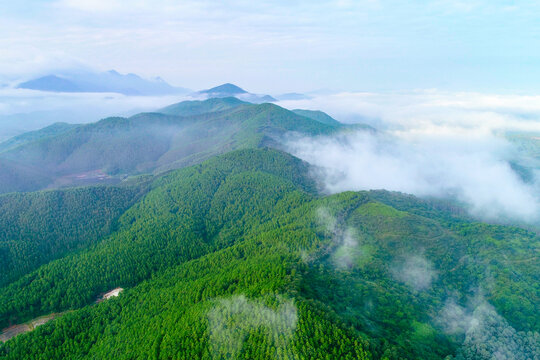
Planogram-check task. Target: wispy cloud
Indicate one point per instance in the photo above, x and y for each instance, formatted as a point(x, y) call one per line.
point(487, 333)
point(415, 271)
point(232, 319)
point(25, 110)
point(346, 249)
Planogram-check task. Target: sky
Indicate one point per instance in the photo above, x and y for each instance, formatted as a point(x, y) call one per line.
point(282, 46)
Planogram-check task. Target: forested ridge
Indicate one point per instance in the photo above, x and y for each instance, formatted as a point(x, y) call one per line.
point(242, 257)
point(174, 137)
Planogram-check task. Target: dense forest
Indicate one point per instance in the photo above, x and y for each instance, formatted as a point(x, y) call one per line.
point(38, 227)
point(242, 257)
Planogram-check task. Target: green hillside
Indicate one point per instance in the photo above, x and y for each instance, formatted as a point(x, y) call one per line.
point(15, 176)
point(107, 151)
point(39, 227)
point(241, 257)
point(49, 131)
point(317, 115)
point(197, 107)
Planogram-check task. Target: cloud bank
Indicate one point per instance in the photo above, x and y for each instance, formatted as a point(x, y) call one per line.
point(429, 144)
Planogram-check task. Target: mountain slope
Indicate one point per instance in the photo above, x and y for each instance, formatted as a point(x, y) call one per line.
point(197, 107)
point(40, 227)
point(231, 90)
point(240, 257)
point(25, 138)
point(166, 227)
point(317, 115)
point(108, 150)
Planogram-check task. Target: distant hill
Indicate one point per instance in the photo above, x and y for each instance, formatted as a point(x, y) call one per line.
point(110, 81)
point(317, 115)
point(51, 130)
point(180, 135)
point(224, 90)
point(231, 90)
point(52, 83)
point(197, 107)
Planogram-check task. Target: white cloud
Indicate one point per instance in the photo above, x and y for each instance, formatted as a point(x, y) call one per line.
point(433, 144)
point(431, 108)
point(415, 271)
point(25, 110)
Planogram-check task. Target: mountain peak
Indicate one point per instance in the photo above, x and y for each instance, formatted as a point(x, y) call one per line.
point(231, 90)
point(227, 88)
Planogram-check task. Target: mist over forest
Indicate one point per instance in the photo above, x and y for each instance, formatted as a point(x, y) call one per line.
point(269, 180)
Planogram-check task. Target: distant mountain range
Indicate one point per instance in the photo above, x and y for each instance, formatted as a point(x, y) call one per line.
point(132, 84)
point(110, 81)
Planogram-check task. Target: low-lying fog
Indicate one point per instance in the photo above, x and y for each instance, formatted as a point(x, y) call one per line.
point(432, 143)
point(25, 110)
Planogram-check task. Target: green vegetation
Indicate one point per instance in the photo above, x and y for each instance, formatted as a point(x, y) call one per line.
point(240, 257)
point(226, 249)
point(197, 107)
point(46, 132)
point(527, 157)
point(318, 116)
point(39, 227)
point(186, 134)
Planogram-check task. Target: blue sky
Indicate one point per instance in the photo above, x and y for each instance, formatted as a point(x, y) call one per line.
point(282, 46)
